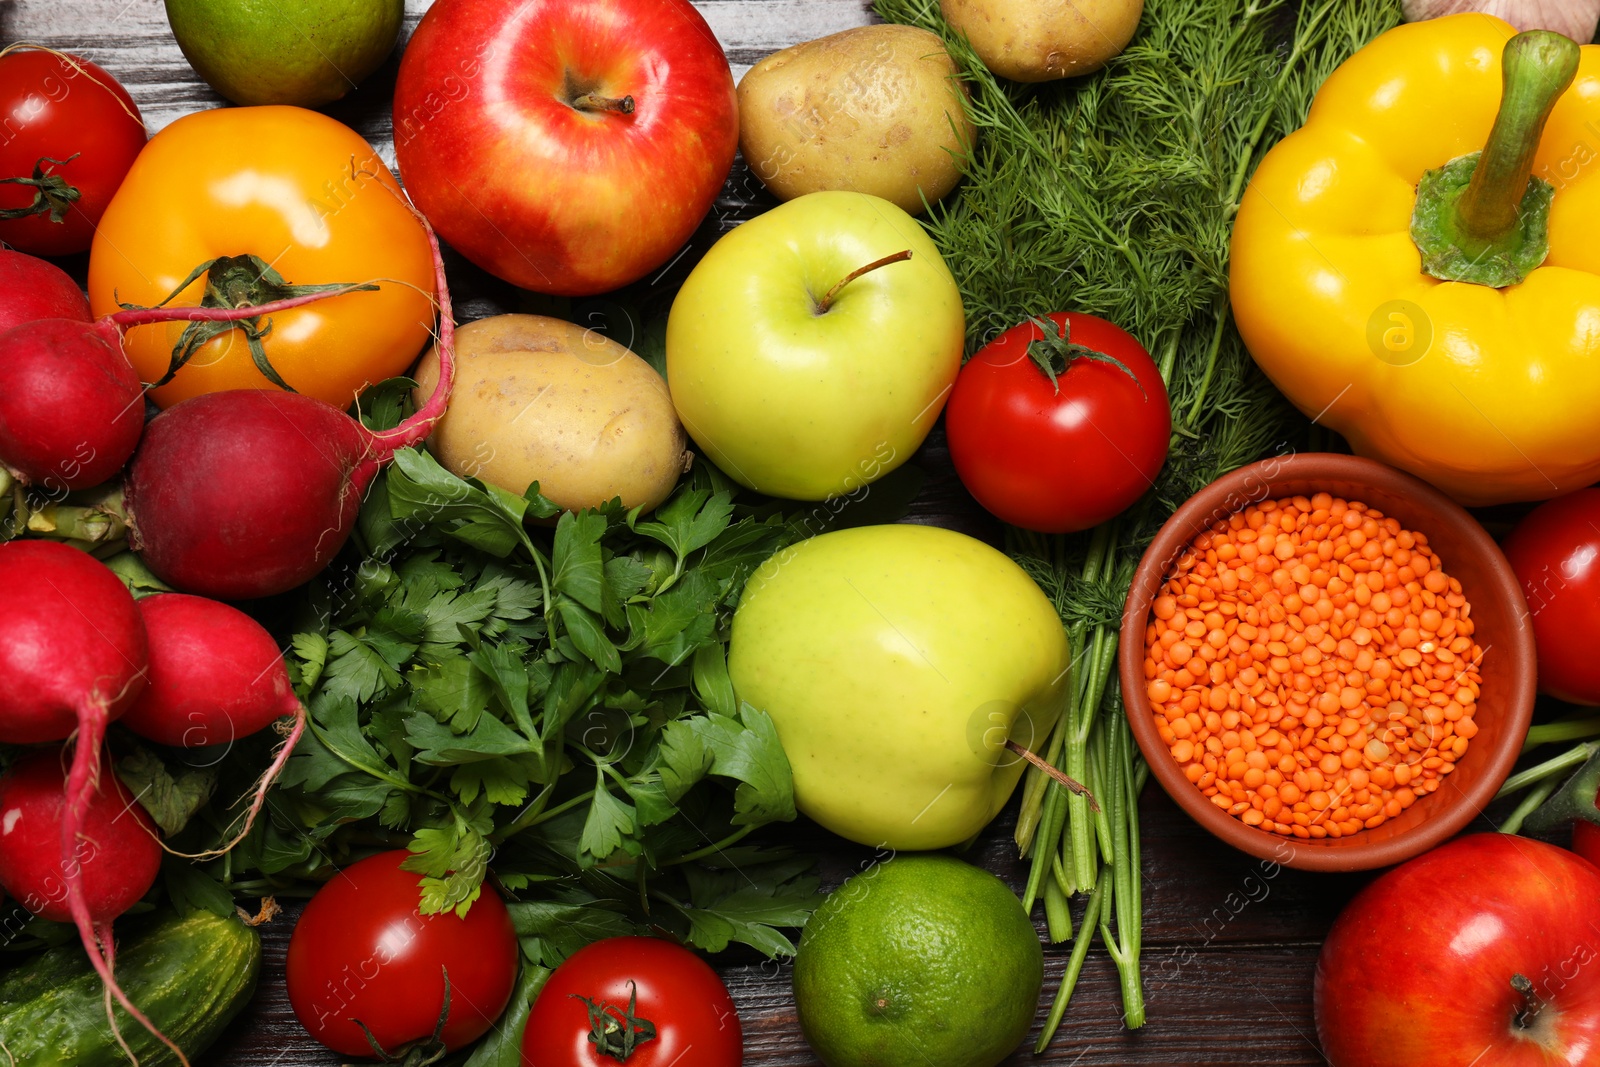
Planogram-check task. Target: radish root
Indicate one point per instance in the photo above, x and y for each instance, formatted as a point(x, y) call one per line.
point(280, 760)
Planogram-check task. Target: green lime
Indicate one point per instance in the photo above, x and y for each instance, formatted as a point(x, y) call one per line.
point(305, 52)
point(919, 960)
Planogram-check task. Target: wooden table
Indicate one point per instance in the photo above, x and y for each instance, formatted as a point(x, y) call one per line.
point(1230, 943)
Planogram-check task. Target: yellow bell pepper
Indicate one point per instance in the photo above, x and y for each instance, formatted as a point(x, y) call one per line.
point(1473, 360)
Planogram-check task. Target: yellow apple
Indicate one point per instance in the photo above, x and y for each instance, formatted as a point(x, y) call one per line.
point(896, 661)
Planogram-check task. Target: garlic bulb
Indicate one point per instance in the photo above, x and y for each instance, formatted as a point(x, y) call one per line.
point(1575, 18)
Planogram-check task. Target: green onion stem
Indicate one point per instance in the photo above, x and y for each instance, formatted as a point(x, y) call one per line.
point(1080, 951)
point(1104, 774)
point(1057, 916)
point(1050, 825)
point(1059, 872)
point(1080, 819)
point(1536, 796)
point(1035, 782)
point(1540, 771)
point(1565, 730)
point(1126, 876)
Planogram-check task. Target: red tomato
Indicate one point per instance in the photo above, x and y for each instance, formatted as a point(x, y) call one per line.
point(362, 951)
point(678, 995)
point(1065, 456)
point(1555, 553)
point(79, 128)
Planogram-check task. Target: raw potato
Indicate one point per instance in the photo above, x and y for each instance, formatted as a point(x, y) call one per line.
point(1042, 40)
point(877, 109)
point(541, 400)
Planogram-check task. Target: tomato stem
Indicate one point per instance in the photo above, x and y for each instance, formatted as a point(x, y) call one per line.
point(429, 1050)
point(52, 196)
point(1054, 351)
point(828, 298)
point(614, 1032)
point(238, 291)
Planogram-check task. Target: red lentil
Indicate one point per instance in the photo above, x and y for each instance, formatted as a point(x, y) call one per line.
point(1311, 666)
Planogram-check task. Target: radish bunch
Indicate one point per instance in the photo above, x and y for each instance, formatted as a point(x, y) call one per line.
point(73, 656)
point(234, 495)
point(76, 652)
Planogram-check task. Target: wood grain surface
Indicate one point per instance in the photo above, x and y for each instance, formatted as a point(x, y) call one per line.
point(1230, 944)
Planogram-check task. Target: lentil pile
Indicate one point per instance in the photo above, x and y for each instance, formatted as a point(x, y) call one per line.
point(1312, 667)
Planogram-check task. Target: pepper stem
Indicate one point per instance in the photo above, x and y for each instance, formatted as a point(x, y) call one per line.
point(1482, 217)
point(1537, 68)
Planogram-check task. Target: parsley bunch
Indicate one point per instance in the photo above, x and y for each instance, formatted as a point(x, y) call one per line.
point(488, 689)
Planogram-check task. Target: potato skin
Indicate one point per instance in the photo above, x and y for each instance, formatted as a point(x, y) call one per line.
point(1043, 40)
point(872, 110)
point(540, 399)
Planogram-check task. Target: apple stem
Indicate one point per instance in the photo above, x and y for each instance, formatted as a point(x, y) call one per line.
point(596, 102)
point(827, 299)
point(1532, 1004)
point(1071, 784)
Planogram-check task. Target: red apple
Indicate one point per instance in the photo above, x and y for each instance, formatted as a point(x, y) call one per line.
point(1484, 951)
point(567, 146)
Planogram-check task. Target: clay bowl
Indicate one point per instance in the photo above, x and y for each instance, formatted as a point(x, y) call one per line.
point(1499, 612)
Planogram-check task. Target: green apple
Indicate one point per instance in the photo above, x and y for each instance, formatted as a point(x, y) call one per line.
point(798, 393)
point(896, 661)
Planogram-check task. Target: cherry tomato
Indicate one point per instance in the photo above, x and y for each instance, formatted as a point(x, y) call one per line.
point(1063, 456)
point(306, 196)
point(1555, 552)
point(641, 986)
point(79, 129)
point(362, 951)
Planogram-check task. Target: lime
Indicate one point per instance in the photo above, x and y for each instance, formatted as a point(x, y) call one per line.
point(305, 52)
point(919, 960)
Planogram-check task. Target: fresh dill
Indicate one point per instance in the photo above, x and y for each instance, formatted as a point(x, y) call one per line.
point(1114, 194)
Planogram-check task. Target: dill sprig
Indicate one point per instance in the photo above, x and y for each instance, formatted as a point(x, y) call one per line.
point(1115, 194)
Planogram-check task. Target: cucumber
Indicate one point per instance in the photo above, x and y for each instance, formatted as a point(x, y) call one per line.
point(190, 974)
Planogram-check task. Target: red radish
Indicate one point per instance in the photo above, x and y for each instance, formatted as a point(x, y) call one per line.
point(37, 289)
point(73, 656)
point(118, 855)
point(249, 493)
point(71, 406)
point(215, 675)
point(115, 861)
